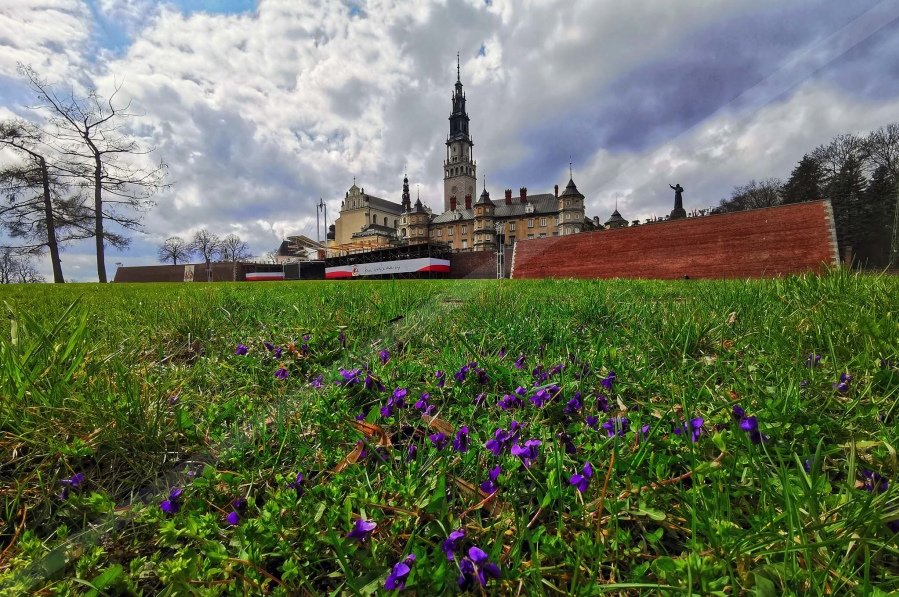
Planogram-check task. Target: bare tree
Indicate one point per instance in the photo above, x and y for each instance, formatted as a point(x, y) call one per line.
point(755, 195)
point(87, 133)
point(35, 209)
point(232, 249)
point(174, 249)
point(882, 150)
point(17, 269)
point(206, 244)
point(833, 157)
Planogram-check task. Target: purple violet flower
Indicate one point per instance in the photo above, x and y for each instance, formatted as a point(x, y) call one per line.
point(489, 486)
point(602, 403)
point(385, 356)
point(738, 412)
point(341, 337)
point(476, 566)
point(842, 386)
point(242, 350)
point(172, 505)
point(401, 570)
point(411, 452)
point(483, 378)
point(297, 485)
point(619, 425)
point(460, 444)
point(441, 378)
point(751, 426)
point(540, 398)
point(813, 360)
point(510, 401)
point(233, 518)
point(362, 529)
point(608, 380)
point(351, 376)
point(527, 453)
point(480, 399)
point(808, 465)
point(502, 353)
point(694, 426)
point(317, 382)
point(574, 405)
point(278, 352)
point(570, 448)
point(269, 346)
point(282, 373)
point(519, 363)
point(439, 440)
point(582, 481)
point(875, 482)
point(451, 545)
point(592, 422)
point(498, 444)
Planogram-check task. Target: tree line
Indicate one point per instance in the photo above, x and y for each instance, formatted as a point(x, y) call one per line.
point(75, 176)
point(860, 176)
point(204, 244)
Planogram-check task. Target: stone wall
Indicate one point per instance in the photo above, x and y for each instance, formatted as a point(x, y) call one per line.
point(751, 244)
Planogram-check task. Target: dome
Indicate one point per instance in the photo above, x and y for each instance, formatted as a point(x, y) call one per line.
point(571, 191)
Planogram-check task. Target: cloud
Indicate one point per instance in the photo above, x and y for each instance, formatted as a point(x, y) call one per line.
point(259, 110)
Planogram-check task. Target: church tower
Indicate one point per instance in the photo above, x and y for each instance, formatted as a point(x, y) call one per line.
point(459, 169)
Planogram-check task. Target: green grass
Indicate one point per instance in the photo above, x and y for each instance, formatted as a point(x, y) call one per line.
point(138, 388)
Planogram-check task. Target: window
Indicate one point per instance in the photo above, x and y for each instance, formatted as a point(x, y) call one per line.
point(464, 244)
point(543, 222)
point(530, 236)
point(568, 204)
point(511, 240)
point(449, 231)
point(488, 238)
point(567, 216)
point(394, 223)
point(541, 235)
point(432, 233)
point(439, 232)
point(531, 223)
point(420, 231)
point(557, 220)
point(479, 238)
point(464, 229)
point(577, 216)
point(567, 230)
point(511, 226)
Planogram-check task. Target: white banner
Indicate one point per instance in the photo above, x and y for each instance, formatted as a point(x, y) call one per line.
point(380, 268)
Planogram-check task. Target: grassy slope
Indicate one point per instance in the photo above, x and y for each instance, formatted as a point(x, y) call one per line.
point(89, 390)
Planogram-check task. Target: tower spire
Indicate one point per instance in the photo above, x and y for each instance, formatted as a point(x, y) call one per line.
point(458, 77)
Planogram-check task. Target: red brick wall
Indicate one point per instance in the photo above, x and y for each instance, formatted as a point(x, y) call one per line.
point(221, 272)
point(477, 265)
point(752, 244)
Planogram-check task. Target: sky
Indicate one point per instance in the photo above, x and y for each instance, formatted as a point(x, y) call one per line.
point(260, 108)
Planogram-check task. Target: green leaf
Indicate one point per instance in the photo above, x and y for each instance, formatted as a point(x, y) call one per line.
point(718, 440)
point(104, 580)
point(764, 587)
point(654, 514)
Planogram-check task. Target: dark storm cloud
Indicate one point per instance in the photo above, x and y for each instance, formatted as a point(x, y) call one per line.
point(657, 101)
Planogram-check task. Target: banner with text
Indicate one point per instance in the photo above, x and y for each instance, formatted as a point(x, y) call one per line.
point(380, 268)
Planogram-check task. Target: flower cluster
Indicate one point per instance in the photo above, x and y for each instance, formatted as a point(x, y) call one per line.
point(397, 400)
point(173, 504)
point(489, 486)
point(528, 452)
point(460, 444)
point(842, 386)
point(813, 360)
point(423, 405)
point(397, 578)
point(503, 440)
point(476, 566)
point(582, 481)
point(619, 425)
point(693, 426)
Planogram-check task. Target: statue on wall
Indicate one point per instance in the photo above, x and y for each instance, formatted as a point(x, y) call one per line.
point(678, 211)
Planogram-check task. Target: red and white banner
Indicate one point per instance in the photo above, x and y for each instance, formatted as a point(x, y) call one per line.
point(380, 268)
point(262, 276)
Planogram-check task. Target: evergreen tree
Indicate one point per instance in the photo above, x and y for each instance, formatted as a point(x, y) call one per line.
point(846, 191)
point(879, 201)
point(805, 182)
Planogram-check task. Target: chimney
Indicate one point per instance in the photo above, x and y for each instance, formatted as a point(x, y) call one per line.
point(453, 203)
point(508, 196)
point(524, 194)
point(467, 201)
point(557, 191)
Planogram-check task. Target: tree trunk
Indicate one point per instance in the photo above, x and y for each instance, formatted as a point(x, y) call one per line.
point(98, 221)
point(51, 226)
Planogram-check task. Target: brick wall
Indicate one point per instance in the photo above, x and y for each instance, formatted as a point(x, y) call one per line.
point(751, 244)
point(477, 265)
point(221, 272)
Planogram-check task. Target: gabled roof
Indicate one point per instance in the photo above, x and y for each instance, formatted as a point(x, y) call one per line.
point(542, 204)
point(385, 205)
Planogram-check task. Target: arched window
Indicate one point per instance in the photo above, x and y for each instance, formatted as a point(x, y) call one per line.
point(385, 222)
point(394, 223)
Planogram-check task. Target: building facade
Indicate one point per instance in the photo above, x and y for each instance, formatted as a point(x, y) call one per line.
point(464, 224)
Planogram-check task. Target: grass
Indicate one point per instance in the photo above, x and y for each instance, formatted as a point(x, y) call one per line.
point(139, 389)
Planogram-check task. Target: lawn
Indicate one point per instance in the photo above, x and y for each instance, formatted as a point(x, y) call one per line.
point(495, 437)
